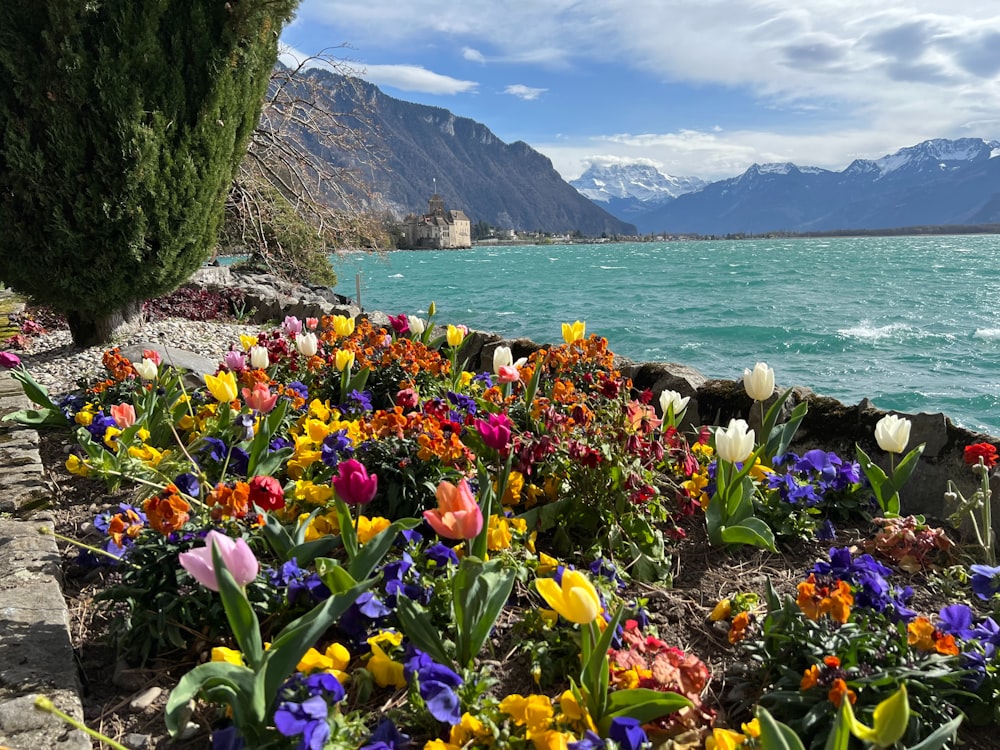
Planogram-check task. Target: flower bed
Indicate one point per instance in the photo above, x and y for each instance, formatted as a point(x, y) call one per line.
point(365, 539)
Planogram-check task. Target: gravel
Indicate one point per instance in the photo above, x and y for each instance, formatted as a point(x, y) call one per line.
point(57, 364)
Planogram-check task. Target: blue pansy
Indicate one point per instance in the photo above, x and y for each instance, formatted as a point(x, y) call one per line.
point(336, 446)
point(188, 484)
point(628, 733)
point(589, 741)
point(386, 737)
point(307, 718)
point(436, 684)
point(985, 580)
point(956, 620)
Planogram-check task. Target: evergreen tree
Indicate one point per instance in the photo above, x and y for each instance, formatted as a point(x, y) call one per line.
point(122, 123)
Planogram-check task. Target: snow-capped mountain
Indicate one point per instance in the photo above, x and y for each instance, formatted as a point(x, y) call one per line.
point(937, 182)
point(602, 182)
point(628, 190)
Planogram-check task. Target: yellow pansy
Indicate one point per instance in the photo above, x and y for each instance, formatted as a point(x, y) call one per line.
point(85, 416)
point(334, 660)
point(111, 438)
point(76, 466)
point(369, 528)
point(467, 730)
point(313, 494)
point(512, 492)
point(319, 410)
point(465, 378)
point(498, 534)
point(441, 745)
point(148, 454)
point(760, 471)
point(320, 526)
point(724, 739)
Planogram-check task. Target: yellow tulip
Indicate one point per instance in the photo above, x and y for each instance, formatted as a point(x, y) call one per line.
point(248, 342)
point(228, 655)
point(342, 325)
point(576, 599)
point(573, 331)
point(344, 360)
point(222, 386)
point(455, 336)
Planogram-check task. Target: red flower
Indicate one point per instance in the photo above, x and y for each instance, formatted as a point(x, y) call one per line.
point(985, 451)
point(266, 493)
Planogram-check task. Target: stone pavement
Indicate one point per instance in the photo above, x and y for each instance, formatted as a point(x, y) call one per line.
point(36, 653)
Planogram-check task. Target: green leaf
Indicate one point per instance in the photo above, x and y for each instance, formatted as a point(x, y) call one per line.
point(418, 627)
point(348, 535)
point(644, 704)
point(751, 531)
point(479, 593)
point(779, 440)
point(272, 462)
point(774, 735)
point(38, 417)
point(940, 737)
point(333, 574)
point(370, 555)
point(306, 552)
point(298, 636)
point(906, 468)
point(840, 736)
point(237, 679)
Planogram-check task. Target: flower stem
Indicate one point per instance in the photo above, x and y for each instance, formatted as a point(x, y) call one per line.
point(45, 704)
point(46, 531)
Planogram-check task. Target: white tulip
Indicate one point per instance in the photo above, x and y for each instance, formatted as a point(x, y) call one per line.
point(259, 359)
point(502, 357)
point(735, 443)
point(416, 325)
point(892, 433)
point(146, 369)
point(307, 344)
point(759, 382)
point(669, 398)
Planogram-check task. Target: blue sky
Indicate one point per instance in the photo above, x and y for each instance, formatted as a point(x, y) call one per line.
point(695, 87)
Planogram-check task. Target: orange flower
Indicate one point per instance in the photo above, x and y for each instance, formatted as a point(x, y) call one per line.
point(920, 634)
point(840, 602)
point(831, 661)
point(945, 644)
point(810, 677)
point(168, 511)
point(808, 600)
point(229, 502)
point(737, 631)
point(838, 691)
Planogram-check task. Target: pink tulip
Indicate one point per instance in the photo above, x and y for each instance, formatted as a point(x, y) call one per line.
point(292, 325)
point(353, 483)
point(234, 361)
point(312, 323)
point(153, 355)
point(400, 324)
point(496, 431)
point(260, 399)
point(458, 515)
point(123, 414)
point(9, 360)
point(508, 374)
point(236, 556)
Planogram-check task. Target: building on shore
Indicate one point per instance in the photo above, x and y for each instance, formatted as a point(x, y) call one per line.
point(438, 229)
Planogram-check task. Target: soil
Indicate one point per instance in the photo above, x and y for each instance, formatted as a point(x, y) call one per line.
point(702, 575)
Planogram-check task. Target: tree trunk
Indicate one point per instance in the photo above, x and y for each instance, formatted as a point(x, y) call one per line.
point(102, 330)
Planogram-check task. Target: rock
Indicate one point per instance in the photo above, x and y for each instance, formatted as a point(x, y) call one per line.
point(145, 699)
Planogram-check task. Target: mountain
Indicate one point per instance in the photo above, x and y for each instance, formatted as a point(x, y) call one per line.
point(630, 190)
point(424, 150)
point(935, 182)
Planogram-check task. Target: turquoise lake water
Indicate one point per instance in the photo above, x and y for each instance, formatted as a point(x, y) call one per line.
point(911, 322)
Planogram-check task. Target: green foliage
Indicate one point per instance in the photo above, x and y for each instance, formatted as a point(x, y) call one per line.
point(121, 127)
point(278, 239)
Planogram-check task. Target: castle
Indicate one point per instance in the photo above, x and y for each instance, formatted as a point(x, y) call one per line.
point(438, 229)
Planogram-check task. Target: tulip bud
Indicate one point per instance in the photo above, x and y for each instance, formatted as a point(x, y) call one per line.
point(259, 359)
point(892, 433)
point(575, 599)
point(672, 400)
point(417, 326)
point(431, 310)
point(343, 326)
point(735, 443)
point(573, 331)
point(455, 336)
point(292, 325)
point(236, 556)
point(344, 360)
point(147, 369)
point(458, 515)
point(502, 357)
point(307, 344)
point(759, 382)
point(353, 483)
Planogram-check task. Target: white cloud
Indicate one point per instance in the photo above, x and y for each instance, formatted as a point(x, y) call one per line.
point(415, 78)
point(524, 92)
point(842, 78)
